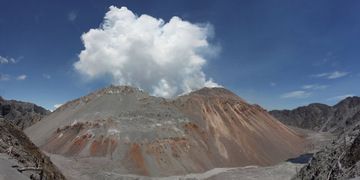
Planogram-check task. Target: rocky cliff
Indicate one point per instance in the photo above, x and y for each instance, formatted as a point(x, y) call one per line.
point(20, 159)
point(321, 117)
point(21, 114)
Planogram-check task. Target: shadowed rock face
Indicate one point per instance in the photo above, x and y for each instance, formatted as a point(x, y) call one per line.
point(21, 114)
point(135, 133)
point(320, 117)
point(17, 152)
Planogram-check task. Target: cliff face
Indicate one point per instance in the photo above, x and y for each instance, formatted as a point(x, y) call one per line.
point(134, 133)
point(21, 159)
point(339, 160)
point(320, 117)
point(21, 114)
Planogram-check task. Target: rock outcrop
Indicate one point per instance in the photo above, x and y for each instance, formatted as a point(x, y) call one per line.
point(21, 159)
point(339, 160)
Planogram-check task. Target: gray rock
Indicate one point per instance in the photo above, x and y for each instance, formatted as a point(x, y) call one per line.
point(17, 153)
point(321, 117)
point(21, 114)
point(339, 160)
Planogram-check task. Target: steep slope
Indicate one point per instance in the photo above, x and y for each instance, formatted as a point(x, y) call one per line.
point(123, 130)
point(320, 117)
point(21, 114)
point(339, 160)
point(17, 153)
point(242, 134)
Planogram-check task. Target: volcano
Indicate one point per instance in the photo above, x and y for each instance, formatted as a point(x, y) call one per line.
point(124, 130)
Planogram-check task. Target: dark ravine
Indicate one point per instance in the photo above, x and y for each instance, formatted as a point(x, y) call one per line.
point(21, 159)
point(320, 117)
point(21, 114)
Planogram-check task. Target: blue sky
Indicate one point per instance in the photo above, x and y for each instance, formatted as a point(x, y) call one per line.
point(279, 54)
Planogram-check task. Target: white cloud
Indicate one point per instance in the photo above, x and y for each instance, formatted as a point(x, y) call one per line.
point(46, 76)
point(21, 77)
point(341, 97)
point(5, 60)
point(296, 94)
point(314, 87)
point(164, 58)
point(72, 16)
point(272, 84)
point(332, 75)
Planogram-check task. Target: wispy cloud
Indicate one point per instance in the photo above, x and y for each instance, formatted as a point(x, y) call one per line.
point(21, 77)
point(296, 94)
point(6, 60)
point(4, 77)
point(340, 97)
point(46, 76)
point(72, 16)
point(331, 75)
point(314, 87)
point(273, 84)
point(330, 59)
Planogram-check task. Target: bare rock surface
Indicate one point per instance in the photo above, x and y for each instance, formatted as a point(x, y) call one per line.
point(21, 159)
point(338, 160)
point(21, 114)
point(320, 117)
point(123, 130)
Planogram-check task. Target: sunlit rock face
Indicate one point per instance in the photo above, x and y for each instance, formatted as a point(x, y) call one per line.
point(131, 132)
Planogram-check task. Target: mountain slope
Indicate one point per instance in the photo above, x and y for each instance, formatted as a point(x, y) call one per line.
point(17, 153)
point(21, 114)
point(320, 117)
point(339, 160)
point(130, 132)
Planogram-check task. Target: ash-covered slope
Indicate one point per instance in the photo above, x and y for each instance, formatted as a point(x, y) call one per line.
point(321, 117)
point(134, 133)
point(21, 114)
point(21, 159)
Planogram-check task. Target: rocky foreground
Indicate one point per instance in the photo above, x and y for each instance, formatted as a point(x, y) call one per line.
point(20, 159)
point(338, 160)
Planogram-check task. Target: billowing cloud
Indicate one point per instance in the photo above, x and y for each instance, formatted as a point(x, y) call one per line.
point(332, 75)
point(164, 58)
point(21, 77)
point(296, 94)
